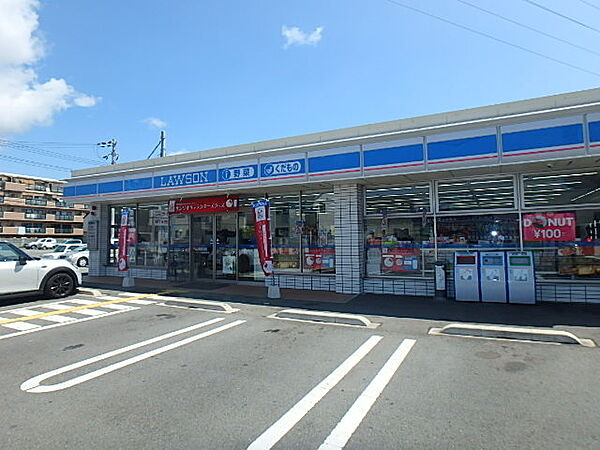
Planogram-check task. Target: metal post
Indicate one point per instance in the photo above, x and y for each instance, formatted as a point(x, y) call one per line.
point(163, 149)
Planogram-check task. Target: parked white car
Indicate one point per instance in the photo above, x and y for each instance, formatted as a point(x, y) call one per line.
point(79, 257)
point(62, 250)
point(42, 243)
point(71, 241)
point(20, 273)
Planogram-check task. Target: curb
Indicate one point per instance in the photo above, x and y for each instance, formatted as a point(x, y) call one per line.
point(204, 305)
point(511, 333)
point(331, 318)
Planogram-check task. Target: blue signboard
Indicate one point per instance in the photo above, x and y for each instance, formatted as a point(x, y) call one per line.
point(185, 179)
point(239, 173)
point(282, 168)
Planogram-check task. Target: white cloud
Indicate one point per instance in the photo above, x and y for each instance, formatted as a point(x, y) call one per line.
point(154, 122)
point(295, 36)
point(26, 102)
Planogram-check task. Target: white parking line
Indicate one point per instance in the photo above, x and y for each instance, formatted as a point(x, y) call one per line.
point(33, 384)
point(346, 427)
point(280, 428)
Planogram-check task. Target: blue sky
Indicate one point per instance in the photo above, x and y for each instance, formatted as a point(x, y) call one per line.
point(219, 73)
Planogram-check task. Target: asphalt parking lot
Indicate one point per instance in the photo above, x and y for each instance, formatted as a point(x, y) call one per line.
point(110, 369)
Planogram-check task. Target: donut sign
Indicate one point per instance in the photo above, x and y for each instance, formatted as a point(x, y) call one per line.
point(557, 227)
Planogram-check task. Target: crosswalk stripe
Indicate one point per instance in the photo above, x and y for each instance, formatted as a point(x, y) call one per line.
point(55, 306)
point(109, 297)
point(89, 312)
point(58, 318)
point(81, 302)
point(141, 302)
point(116, 307)
point(127, 294)
point(24, 312)
point(19, 326)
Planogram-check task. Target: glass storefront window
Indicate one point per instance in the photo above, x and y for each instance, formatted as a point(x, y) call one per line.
point(561, 189)
point(286, 229)
point(476, 194)
point(152, 235)
point(249, 267)
point(113, 237)
point(393, 200)
point(477, 232)
point(179, 247)
point(318, 232)
point(566, 244)
point(399, 246)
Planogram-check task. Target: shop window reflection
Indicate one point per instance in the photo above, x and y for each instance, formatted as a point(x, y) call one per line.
point(566, 244)
point(399, 246)
point(318, 232)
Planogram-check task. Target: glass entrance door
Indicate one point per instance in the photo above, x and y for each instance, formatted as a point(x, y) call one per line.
point(226, 246)
point(202, 246)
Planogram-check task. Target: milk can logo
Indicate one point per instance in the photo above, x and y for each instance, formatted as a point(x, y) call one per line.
point(282, 168)
point(238, 173)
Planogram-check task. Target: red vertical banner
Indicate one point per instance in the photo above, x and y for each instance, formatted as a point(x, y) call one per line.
point(262, 228)
point(123, 259)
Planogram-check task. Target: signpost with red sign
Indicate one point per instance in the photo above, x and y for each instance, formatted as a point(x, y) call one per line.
point(123, 258)
point(204, 205)
point(557, 227)
point(262, 229)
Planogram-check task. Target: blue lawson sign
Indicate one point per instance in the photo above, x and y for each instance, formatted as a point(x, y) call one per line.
point(238, 173)
point(282, 168)
point(185, 179)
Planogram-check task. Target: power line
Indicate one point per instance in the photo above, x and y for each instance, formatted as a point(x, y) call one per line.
point(35, 163)
point(590, 4)
point(31, 149)
point(489, 36)
point(522, 25)
point(564, 16)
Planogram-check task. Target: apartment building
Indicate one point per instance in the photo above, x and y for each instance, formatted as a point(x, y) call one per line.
point(33, 207)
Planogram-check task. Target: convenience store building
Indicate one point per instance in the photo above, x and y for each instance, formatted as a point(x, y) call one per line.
point(369, 208)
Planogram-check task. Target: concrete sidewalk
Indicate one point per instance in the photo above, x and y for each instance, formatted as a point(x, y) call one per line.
point(571, 316)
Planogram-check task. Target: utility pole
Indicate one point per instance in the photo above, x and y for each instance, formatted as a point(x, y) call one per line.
point(163, 148)
point(161, 145)
point(113, 155)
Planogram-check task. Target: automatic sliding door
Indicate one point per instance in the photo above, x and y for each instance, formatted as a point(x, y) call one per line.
point(202, 246)
point(226, 246)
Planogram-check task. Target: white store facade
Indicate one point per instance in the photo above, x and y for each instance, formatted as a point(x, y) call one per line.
point(369, 209)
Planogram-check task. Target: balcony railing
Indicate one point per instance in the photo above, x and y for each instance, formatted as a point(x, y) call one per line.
point(64, 217)
point(1, 213)
point(34, 230)
point(60, 204)
point(2, 184)
point(1, 199)
point(35, 216)
point(56, 189)
point(36, 201)
point(63, 230)
point(39, 187)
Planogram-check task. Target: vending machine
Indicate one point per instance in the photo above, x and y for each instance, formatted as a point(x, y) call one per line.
point(521, 277)
point(492, 276)
point(466, 277)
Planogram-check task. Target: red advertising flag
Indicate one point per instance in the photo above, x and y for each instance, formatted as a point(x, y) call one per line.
point(262, 229)
point(122, 262)
point(549, 227)
point(204, 205)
